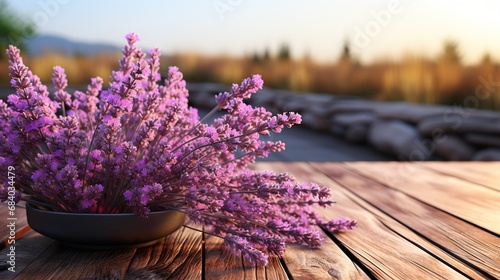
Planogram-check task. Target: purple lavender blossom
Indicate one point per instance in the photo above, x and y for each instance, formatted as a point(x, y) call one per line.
point(243, 91)
point(138, 147)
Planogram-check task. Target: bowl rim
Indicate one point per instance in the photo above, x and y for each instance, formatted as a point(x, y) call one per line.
point(50, 212)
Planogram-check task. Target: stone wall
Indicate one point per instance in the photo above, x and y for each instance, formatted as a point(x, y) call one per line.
point(407, 131)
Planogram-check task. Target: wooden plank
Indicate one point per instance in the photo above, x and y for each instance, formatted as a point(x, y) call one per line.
point(59, 262)
point(325, 263)
point(385, 243)
point(27, 249)
point(474, 203)
point(178, 256)
point(464, 242)
point(328, 262)
point(376, 246)
point(220, 263)
point(19, 219)
point(482, 173)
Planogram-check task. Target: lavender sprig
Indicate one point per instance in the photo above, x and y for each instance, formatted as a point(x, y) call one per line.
point(137, 146)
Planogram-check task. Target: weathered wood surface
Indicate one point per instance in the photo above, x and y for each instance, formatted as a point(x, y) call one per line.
point(483, 173)
point(415, 221)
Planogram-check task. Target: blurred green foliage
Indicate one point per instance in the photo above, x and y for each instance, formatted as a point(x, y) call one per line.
point(14, 29)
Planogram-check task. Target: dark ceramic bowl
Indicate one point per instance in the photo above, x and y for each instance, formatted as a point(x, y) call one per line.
point(104, 231)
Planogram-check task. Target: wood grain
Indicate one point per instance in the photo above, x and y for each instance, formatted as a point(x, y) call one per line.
point(59, 262)
point(474, 203)
point(178, 256)
point(27, 249)
point(458, 241)
point(221, 263)
point(385, 254)
point(481, 173)
point(20, 222)
point(426, 220)
point(329, 262)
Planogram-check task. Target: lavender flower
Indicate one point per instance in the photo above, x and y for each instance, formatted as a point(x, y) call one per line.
point(137, 146)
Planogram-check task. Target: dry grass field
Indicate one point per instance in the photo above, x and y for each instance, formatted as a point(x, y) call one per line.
point(443, 80)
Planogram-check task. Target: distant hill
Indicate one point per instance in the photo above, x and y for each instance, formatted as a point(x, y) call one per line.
point(41, 44)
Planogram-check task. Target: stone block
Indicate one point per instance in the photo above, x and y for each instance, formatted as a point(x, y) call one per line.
point(315, 121)
point(490, 154)
point(357, 133)
point(456, 125)
point(399, 139)
point(450, 147)
point(356, 118)
point(482, 139)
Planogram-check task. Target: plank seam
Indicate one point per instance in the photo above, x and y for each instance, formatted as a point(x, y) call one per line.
point(437, 245)
point(408, 195)
point(203, 255)
point(285, 268)
point(444, 249)
point(456, 177)
point(449, 252)
point(351, 256)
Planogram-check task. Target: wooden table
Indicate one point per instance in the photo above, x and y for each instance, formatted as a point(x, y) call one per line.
point(415, 221)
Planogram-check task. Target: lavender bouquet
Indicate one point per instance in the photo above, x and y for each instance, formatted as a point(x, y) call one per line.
point(138, 147)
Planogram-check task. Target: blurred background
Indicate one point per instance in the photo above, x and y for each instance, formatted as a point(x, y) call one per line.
point(426, 52)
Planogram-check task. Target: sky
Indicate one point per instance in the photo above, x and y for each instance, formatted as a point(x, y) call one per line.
point(376, 29)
